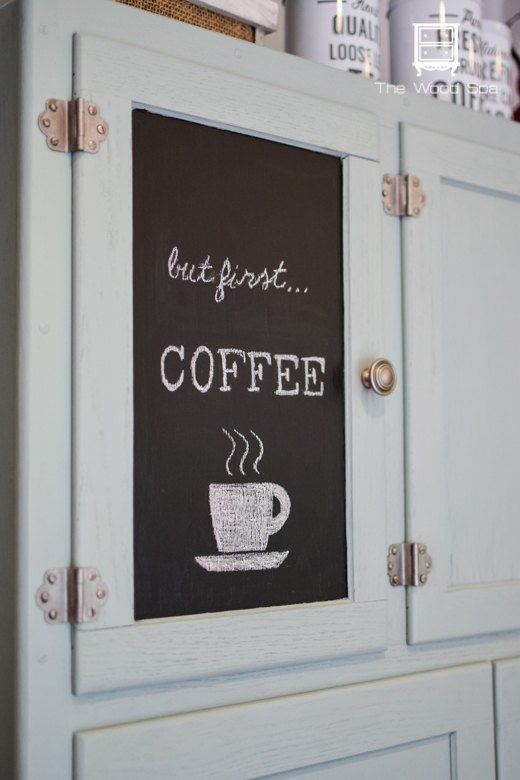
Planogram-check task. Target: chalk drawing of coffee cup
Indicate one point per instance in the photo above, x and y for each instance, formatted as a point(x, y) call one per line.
point(243, 520)
point(242, 515)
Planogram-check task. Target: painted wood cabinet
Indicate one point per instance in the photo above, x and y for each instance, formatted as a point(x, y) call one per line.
point(383, 680)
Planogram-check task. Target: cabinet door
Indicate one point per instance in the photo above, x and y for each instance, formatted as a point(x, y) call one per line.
point(441, 722)
point(462, 340)
point(118, 651)
point(507, 714)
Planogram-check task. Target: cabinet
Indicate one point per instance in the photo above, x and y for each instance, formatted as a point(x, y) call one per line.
point(316, 689)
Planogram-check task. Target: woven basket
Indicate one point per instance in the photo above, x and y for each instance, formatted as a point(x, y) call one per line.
point(194, 14)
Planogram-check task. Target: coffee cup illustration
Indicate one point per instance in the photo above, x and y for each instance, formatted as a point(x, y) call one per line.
point(242, 515)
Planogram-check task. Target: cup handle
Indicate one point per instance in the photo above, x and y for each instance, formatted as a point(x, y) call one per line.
point(277, 522)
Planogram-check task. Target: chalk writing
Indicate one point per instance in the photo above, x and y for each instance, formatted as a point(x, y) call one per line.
point(310, 370)
point(228, 278)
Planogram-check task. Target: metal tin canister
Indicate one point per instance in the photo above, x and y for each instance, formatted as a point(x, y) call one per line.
point(435, 48)
point(497, 69)
point(344, 34)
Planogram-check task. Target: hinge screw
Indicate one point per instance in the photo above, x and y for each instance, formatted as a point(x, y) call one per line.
point(390, 566)
point(44, 597)
point(53, 614)
point(422, 549)
point(51, 578)
point(46, 122)
point(91, 612)
point(53, 107)
point(92, 145)
point(92, 575)
point(92, 110)
point(101, 593)
point(395, 579)
point(394, 550)
point(101, 129)
point(54, 141)
point(423, 578)
point(428, 564)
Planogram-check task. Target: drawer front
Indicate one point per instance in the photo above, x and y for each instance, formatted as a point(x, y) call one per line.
point(361, 731)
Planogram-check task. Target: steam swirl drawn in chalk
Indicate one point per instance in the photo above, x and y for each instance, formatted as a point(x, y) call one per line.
point(234, 446)
point(261, 452)
point(245, 453)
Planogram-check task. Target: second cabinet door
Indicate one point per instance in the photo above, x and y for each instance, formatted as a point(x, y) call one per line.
point(462, 341)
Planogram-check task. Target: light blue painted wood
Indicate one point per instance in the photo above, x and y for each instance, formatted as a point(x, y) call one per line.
point(433, 756)
point(257, 740)
point(507, 713)
point(48, 712)
point(461, 276)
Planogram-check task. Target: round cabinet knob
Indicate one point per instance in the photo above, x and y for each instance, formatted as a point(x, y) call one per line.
point(380, 377)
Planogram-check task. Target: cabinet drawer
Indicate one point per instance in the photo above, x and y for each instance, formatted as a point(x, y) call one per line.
point(364, 730)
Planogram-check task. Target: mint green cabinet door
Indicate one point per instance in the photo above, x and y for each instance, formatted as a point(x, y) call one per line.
point(462, 376)
point(440, 723)
point(116, 651)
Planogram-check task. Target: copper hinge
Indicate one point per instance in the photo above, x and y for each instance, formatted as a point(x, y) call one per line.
point(73, 125)
point(403, 195)
point(72, 595)
point(408, 563)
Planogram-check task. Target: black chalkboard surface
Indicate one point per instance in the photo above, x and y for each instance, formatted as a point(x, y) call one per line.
point(239, 466)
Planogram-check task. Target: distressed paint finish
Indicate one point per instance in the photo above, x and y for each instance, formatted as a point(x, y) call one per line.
point(43, 477)
point(461, 279)
point(256, 740)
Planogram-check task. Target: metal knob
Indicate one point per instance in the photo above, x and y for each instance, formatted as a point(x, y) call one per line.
point(380, 377)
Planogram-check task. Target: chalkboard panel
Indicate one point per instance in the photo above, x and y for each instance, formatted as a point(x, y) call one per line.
point(239, 465)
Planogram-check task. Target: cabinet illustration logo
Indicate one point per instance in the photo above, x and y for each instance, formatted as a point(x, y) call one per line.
point(436, 47)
